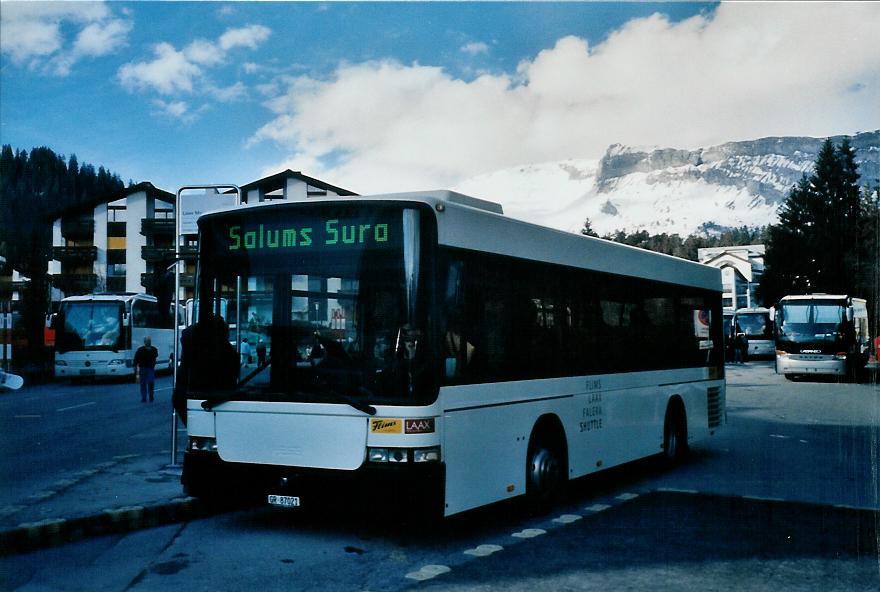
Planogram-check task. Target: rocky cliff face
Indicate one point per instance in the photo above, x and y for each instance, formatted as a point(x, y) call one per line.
point(768, 167)
point(667, 190)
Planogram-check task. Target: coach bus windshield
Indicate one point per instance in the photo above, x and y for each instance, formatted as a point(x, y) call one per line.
point(89, 326)
point(805, 322)
point(330, 304)
point(755, 325)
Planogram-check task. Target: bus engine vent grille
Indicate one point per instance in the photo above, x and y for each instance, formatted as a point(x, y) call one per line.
point(714, 406)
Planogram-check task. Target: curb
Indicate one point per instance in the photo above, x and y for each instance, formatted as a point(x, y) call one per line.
point(52, 532)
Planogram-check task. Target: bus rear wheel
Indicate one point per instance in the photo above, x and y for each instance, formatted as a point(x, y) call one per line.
point(675, 444)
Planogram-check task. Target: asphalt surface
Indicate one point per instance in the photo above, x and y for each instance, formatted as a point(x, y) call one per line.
point(123, 493)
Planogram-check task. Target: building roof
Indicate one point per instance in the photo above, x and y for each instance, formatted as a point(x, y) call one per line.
point(277, 181)
point(145, 186)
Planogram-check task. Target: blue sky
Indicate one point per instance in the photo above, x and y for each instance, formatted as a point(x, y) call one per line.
point(400, 96)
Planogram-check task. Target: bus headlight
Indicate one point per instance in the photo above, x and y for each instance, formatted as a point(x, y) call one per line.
point(426, 454)
point(840, 356)
point(116, 363)
point(389, 455)
point(403, 455)
point(377, 455)
point(60, 363)
point(202, 444)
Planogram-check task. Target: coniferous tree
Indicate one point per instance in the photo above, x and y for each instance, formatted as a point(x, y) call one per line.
point(817, 246)
point(587, 230)
point(687, 248)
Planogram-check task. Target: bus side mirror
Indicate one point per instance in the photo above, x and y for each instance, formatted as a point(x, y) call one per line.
point(52, 321)
point(772, 314)
point(850, 313)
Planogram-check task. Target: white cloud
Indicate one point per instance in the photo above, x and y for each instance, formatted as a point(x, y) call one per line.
point(745, 70)
point(174, 109)
point(250, 37)
point(169, 73)
point(172, 71)
point(204, 53)
point(230, 93)
point(98, 39)
point(36, 34)
point(475, 48)
point(177, 110)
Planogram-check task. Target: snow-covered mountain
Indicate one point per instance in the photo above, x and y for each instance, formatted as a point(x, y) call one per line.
point(665, 189)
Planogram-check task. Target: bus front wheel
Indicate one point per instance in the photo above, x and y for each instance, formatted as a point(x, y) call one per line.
point(546, 469)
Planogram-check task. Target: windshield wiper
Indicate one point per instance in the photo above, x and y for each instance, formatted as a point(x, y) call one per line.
point(359, 405)
point(363, 406)
point(353, 402)
point(209, 404)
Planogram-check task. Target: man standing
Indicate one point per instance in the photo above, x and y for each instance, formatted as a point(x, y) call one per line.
point(145, 368)
point(261, 353)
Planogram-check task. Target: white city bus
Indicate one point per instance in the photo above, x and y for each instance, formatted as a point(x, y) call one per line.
point(96, 335)
point(424, 347)
point(757, 327)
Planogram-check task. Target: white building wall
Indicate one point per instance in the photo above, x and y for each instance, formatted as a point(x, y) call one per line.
point(295, 190)
point(16, 278)
point(100, 241)
point(254, 196)
point(136, 210)
point(57, 241)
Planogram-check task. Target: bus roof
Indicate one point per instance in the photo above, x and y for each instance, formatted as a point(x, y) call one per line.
point(753, 310)
point(814, 297)
point(470, 223)
point(110, 297)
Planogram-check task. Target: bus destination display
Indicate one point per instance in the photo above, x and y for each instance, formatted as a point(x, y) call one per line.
point(331, 234)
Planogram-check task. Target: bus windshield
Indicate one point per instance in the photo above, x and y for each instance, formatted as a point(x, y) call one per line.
point(90, 326)
point(811, 321)
point(327, 305)
point(755, 325)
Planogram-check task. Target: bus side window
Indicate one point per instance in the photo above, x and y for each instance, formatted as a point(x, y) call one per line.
point(455, 356)
point(138, 315)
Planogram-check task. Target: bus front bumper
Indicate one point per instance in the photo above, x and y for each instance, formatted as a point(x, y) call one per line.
point(418, 487)
point(810, 364)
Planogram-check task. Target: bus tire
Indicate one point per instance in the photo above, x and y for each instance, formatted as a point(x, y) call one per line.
point(675, 444)
point(546, 464)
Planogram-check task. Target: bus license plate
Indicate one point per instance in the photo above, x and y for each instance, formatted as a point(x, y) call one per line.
point(285, 501)
point(87, 372)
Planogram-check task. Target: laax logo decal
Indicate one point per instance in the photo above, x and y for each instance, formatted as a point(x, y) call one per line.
point(419, 426)
point(386, 426)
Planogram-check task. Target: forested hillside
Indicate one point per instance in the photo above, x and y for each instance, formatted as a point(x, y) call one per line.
point(35, 188)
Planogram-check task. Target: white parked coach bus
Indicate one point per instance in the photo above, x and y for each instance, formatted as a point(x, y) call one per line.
point(821, 334)
point(96, 335)
point(425, 347)
point(757, 327)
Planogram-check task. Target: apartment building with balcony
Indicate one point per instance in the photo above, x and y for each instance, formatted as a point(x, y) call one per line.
point(126, 243)
point(121, 245)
